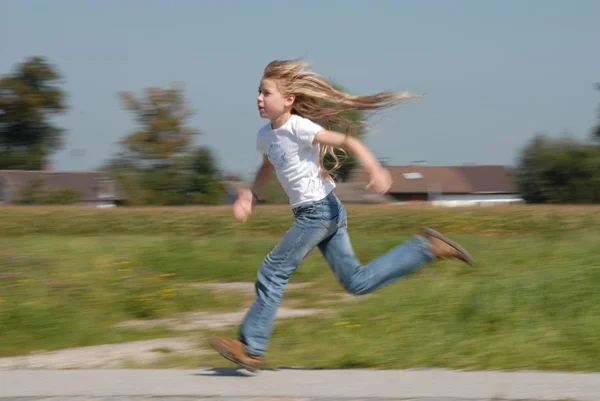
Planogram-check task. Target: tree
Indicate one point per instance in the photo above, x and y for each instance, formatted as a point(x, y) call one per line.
point(559, 171)
point(29, 97)
point(531, 186)
point(596, 130)
point(159, 164)
point(161, 115)
point(347, 161)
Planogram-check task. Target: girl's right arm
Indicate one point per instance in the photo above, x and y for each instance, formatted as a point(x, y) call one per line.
point(262, 176)
point(246, 197)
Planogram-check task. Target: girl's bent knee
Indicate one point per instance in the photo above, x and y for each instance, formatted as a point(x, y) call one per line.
point(356, 289)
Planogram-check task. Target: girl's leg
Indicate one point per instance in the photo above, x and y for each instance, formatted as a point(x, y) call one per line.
point(359, 279)
point(274, 272)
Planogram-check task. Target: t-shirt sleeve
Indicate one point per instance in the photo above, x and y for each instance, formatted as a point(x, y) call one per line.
point(306, 131)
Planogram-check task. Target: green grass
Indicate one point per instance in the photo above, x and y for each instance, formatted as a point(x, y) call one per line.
point(60, 292)
point(217, 221)
point(69, 275)
point(531, 303)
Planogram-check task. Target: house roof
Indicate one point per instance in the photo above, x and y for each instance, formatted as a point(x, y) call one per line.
point(355, 192)
point(447, 179)
point(490, 178)
point(352, 192)
point(87, 183)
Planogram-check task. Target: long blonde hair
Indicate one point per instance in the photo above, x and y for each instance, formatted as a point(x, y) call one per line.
point(321, 103)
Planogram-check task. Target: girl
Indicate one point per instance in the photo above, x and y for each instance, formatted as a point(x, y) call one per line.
point(303, 110)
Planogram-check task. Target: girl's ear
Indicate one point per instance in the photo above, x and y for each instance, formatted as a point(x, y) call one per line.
point(289, 100)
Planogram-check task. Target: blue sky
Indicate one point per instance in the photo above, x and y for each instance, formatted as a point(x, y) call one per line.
point(494, 73)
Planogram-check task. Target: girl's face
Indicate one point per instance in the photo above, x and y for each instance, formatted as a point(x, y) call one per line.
point(272, 103)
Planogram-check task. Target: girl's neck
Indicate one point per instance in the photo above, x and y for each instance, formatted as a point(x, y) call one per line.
point(281, 120)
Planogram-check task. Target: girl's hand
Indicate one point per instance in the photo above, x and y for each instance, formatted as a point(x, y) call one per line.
point(381, 180)
point(242, 207)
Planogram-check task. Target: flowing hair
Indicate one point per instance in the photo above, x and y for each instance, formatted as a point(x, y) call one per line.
point(325, 105)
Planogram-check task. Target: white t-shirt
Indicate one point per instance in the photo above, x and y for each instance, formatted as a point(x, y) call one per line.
point(296, 159)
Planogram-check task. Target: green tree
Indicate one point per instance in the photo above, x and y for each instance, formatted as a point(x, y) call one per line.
point(161, 115)
point(347, 161)
point(596, 130)
point(158, 163)
point(529, 170)
point(559, 171)
point(29, 97)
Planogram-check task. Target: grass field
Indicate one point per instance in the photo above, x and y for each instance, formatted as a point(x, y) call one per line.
point(69, 275)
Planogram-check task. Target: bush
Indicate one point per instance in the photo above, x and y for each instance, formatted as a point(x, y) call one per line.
point(36, 194)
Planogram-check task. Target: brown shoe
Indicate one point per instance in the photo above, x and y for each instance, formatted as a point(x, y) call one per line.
point(444, 248)
point(235, 351)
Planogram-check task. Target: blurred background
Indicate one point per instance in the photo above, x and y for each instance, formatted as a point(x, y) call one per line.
point(90, 86)
point(122, 105)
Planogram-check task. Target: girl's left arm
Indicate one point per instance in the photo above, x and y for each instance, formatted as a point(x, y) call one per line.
point(381, 179)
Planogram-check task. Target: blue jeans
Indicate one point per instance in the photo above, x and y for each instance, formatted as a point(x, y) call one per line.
point(322, 224)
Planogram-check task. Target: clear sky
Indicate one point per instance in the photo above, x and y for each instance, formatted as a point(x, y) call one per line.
point(494, 72)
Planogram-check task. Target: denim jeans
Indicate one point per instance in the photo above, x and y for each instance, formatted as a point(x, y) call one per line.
point(322, 224)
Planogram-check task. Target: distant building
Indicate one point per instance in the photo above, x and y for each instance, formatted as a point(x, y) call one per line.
point(97, 189)
point(355, 192)
point(471, 185)
point(450, 186)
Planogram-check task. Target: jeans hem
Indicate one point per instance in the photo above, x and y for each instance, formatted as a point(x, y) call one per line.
point(425, 247)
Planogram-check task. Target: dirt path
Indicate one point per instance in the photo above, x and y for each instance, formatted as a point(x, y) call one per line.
point(101, 356)
point(214, 321)
point(144, 352)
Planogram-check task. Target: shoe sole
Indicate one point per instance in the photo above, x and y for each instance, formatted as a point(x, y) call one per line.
point(223, 352)
point(465, 256)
